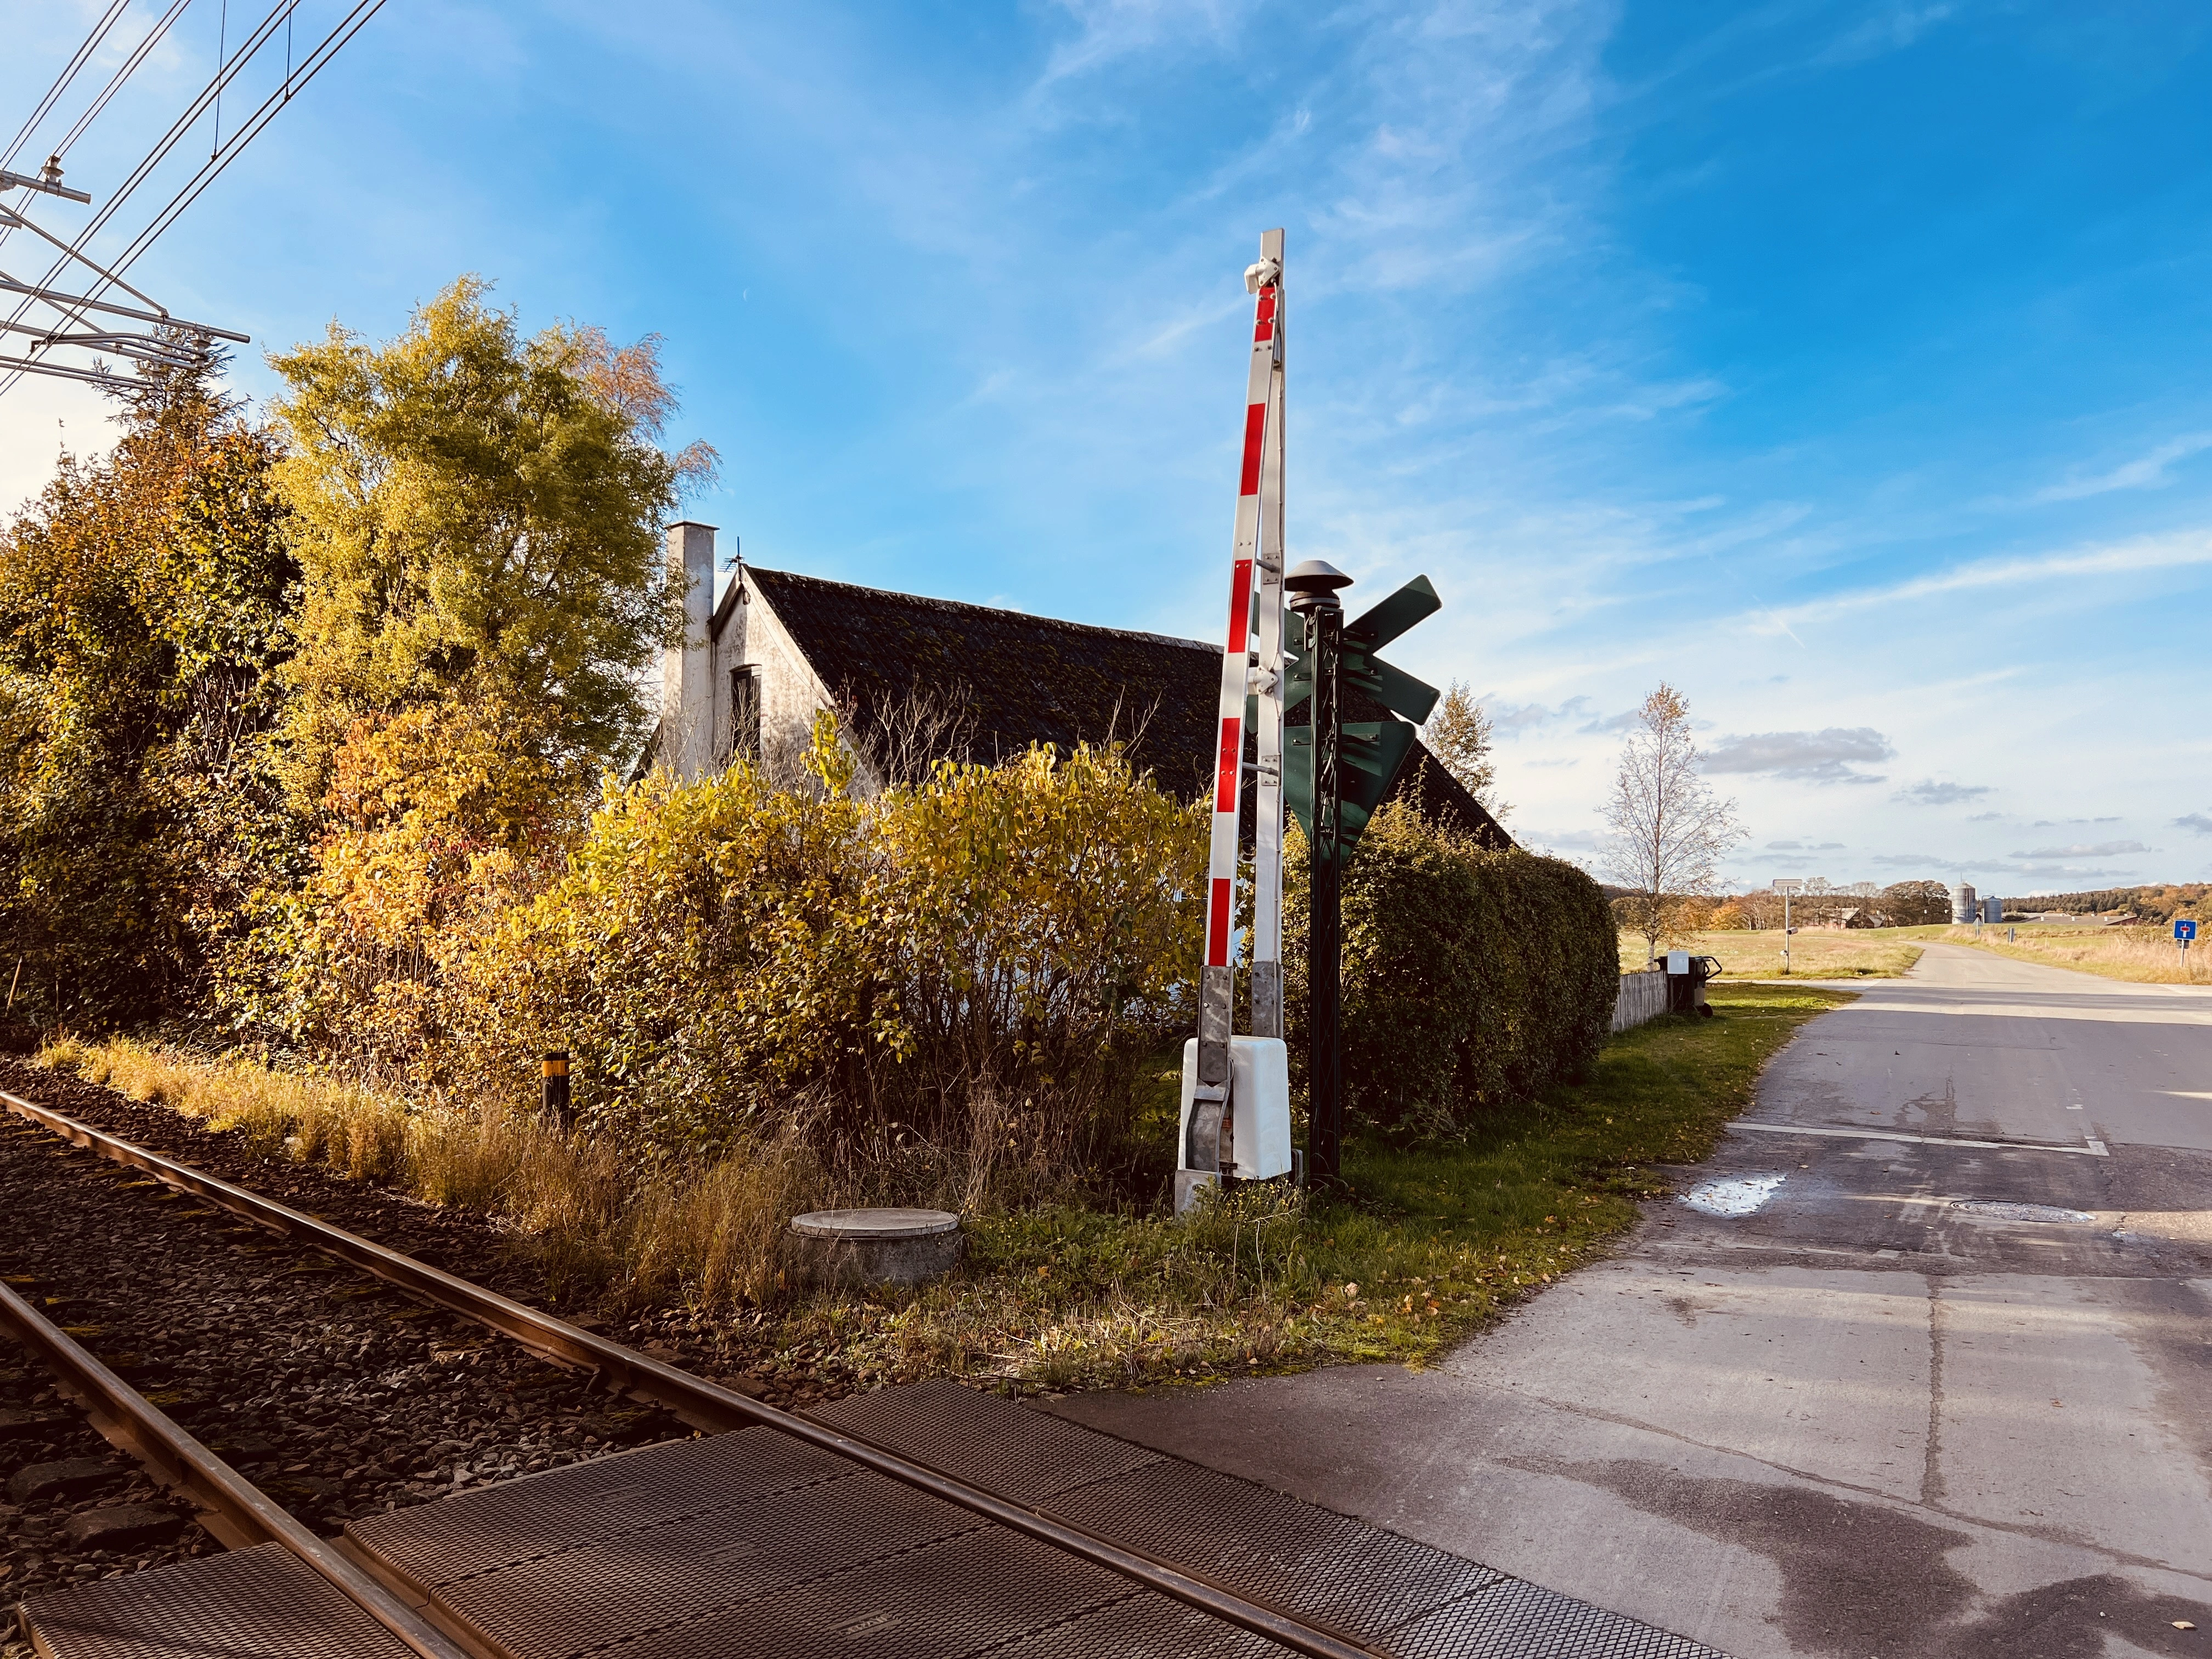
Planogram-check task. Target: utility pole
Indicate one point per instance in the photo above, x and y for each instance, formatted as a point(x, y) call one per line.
point(1786, 888)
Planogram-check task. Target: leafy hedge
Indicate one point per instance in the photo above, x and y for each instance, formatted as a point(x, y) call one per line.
point(1472, 979)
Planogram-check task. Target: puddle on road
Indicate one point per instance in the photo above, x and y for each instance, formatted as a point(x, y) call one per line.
point(1743, 1195)
point(2019, 1211)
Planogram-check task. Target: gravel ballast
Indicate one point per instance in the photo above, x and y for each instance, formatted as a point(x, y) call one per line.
point(335, 1395)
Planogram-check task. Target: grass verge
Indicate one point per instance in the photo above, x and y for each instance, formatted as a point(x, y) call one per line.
point(1432, 1243)
point(1825, 953)
point(2146, 956)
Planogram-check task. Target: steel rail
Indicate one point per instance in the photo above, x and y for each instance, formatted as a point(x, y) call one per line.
point(697, 1401)
point(234, 1510)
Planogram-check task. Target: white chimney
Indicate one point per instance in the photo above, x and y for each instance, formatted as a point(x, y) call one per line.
point(687, 691)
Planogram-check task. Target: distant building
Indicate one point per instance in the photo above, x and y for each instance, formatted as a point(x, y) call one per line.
point(930, 679)
point(1963, 905)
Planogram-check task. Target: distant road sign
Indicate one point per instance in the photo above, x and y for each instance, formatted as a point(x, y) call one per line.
point(2183, 927)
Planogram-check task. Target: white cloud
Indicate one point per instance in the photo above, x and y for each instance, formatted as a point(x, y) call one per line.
point(1109, 30)
point(2199, 823)
point(1931, 793)
point(2145, 472)
point(2103, 849)
point(1826, 756)
point(2146, 553)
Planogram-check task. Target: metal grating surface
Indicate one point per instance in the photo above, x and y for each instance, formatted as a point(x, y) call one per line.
point(1144, 1626)
point(493, 1527)
point(261, 1603)
point(1021, 1454)
point(1307, 1560)
point(679, 1573)
point(1515, 1619)
point(972, 1595)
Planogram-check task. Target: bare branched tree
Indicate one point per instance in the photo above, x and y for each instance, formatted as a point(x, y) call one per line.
point(1666, 829)
point(900, 739)
point(1460, 735)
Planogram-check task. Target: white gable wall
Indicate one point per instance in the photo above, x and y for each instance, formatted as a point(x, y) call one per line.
point(742, 633)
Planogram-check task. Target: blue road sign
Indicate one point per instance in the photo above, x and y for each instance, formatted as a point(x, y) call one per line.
point(2183, 928)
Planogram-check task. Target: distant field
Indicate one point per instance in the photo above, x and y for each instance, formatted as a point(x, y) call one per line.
point(1867, 953)
point(2146, 955)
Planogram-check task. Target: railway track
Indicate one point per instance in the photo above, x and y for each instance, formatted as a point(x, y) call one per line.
point(240, 1515)
point(919, 1520)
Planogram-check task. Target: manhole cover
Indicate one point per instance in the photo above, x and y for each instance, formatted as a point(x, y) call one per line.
point(2019, 1211)
point(1743, 1195)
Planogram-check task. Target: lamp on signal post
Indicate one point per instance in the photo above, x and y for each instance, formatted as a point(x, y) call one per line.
point(1313, 586)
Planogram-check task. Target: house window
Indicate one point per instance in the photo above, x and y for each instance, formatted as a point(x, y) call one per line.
point(745, 715)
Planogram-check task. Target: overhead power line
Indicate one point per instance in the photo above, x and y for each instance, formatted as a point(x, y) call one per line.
point(174, 340)
point(115, 82)
point(310, 66)
point(92, 44)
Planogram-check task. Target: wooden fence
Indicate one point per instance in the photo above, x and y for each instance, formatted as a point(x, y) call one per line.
point(1642, 996)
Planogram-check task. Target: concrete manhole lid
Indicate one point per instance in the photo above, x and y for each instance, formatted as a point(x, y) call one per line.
point(2018, 1212)
point(871, 1225)
point(1740, 1195)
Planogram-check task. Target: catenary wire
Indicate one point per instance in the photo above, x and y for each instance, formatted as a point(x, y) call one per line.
point(69, 72)
point(281, 12)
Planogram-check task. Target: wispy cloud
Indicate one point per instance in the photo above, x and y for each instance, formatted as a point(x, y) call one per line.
point(1510, 719)
point(2168, 552)
point(2102, 850)
point(1109, 30)
point(2196, 823)
point(2147, 471)
point(1931, 793)
point(1827, 757)
point(1890, 28)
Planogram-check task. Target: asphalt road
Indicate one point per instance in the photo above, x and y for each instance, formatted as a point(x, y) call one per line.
point(1860, 1420)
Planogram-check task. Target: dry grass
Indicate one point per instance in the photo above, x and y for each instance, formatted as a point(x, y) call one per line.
point(1825, 953)
point(706, 1235)
point(2145, 955)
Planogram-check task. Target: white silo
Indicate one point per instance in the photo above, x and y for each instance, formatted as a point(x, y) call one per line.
point(1963, 908)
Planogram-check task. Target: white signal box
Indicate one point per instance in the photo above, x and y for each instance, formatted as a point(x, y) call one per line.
point(1259, 1138)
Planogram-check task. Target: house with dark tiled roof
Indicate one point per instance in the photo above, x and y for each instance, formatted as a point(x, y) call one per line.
point(925, 678)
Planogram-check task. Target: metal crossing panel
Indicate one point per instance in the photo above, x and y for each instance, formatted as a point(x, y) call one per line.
point(993, 1444)
point(1378, 1588)
point(482, 1531)
point(751, 1542)
point(261, 1603)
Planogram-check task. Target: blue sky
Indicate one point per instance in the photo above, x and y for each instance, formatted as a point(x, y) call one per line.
point(1844, 365)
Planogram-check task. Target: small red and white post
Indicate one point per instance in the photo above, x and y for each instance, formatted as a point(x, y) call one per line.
point(1235, 1089)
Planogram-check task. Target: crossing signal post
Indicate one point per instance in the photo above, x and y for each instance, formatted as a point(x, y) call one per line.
point(1236, 1089)
point(1332, 775)
point(1335, 774)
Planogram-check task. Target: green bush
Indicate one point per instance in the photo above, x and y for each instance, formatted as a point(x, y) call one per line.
point(977, 963)
point(1472, 979)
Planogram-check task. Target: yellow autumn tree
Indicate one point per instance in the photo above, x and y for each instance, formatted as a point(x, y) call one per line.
point(476, 517)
